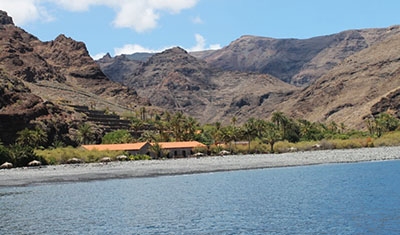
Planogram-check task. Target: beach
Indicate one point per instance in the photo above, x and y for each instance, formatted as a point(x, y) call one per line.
point(152, 168)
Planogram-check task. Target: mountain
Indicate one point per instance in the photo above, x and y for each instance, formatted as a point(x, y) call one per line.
point(364, 84)
point(178, 81)
point(343, 77)
point(295, 61)
point(40, 81)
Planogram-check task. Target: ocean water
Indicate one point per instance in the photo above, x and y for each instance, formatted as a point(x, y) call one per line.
point(360, 198)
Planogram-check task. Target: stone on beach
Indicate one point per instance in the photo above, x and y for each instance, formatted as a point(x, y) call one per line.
point(151, 168)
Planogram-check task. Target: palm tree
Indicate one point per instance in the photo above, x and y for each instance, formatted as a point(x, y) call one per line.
point(190, 128)
point(158, 151)
point(280, 119)
point(32, 138)
point(176, 125)
point(271, 135)
point(249, 130)
point(233, 120)
point(85, 134)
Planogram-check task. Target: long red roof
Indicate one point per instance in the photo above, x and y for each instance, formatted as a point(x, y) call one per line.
point(124, 147)
point(138, 146)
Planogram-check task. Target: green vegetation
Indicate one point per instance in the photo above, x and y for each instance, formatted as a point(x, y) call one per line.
point(117, 137)
point(278, 135)
point(19, 155)
point(62, 155)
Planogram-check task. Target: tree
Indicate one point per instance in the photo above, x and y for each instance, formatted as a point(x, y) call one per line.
point(271, 134)
point(158, 151)
point(177, 126)
point(190, 126)
point(32, 138)
point(117, 137)
point(229, 134)
point(4, 154)
point(85, 134)
point(280, 119)
point(382, 123)
point(22, 155)
point(249, 130)
point(309, 130)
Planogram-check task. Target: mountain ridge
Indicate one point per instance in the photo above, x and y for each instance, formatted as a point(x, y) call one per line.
point(39, 78)
point(328, 52)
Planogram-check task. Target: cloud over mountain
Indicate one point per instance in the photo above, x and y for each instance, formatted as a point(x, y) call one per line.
point(138, 15)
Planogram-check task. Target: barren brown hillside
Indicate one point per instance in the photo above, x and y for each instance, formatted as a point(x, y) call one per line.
point(296, 61)
point(176, 81)
point(36, 76)
point(359, 86)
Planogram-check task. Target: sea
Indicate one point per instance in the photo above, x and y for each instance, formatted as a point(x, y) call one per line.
point(352, 198)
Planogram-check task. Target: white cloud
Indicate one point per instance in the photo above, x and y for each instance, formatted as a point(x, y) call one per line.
point(135, 48)
point(98, 55)
point(130, 49)
point(24, 11)
point(139, 15)
point(136, 15)
point(215, 46)
point(197, 20)
point(201, 44)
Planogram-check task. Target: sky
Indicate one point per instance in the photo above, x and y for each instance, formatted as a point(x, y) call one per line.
point(129, 26)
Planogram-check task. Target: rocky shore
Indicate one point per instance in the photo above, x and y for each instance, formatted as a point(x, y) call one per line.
point(112, 170)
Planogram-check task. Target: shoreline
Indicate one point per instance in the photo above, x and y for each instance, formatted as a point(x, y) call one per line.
point(155, 168)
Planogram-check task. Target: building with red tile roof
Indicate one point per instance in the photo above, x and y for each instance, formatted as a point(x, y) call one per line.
point(174, 149)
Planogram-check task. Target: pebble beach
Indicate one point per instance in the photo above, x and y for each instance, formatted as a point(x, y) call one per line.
point(153, 168)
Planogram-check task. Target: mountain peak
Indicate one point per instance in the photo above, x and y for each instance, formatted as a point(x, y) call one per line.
point(5, 19)
point(176, 50)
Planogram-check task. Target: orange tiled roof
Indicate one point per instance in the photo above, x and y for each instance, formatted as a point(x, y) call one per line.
point(182, 144)
point(101, 147)
point(138, 146)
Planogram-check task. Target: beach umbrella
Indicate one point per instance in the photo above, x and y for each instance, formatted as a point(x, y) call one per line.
point(122, 158)
point(6, 165)
point(198, 154)
point(224, 152)
point(34, 163)
point(74, 160)
point(105, 159)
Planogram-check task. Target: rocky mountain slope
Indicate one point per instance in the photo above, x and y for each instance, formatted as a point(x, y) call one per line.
point(337, 76)
point(177, 81)
point(39, 76)
point(295, 61)
point(364, 84)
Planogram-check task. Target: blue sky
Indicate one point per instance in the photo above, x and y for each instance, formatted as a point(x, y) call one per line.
point(128, 26)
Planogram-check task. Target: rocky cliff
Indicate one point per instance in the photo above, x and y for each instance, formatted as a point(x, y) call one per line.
point(342, 77)
point(295, 61)
point(178, 81)
point(364, 84)
point(37, 78)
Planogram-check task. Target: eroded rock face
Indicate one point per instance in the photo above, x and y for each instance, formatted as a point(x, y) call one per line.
point(177, 81)
point(364, 84)
point(389, 103)
point(295, 61)
point(35, 76)
point(5, 19)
